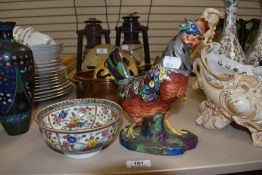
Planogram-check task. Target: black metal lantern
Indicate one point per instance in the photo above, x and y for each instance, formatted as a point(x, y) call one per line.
point(93, 32)
point(131, 29)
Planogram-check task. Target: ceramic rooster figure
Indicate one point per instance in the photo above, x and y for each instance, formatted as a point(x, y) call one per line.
point(147, 98)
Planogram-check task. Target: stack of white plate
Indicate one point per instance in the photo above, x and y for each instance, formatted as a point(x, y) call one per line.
point(28, 36)
point(50, 74)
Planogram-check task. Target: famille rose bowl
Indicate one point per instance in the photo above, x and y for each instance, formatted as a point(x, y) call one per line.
point(79, 128)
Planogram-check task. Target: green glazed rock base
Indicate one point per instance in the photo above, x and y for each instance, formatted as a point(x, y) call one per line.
point(153, 138)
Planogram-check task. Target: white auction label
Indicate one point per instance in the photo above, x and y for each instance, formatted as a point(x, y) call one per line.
point(172, 62)
point(124, 47)
point(101, 50)
point(138, 163)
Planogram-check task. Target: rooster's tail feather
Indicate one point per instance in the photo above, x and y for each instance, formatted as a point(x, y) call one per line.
point(117, 66)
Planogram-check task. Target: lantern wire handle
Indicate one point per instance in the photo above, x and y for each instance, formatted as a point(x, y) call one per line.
point(106, 15)
point(74, 1)
point(149, 12)
point(119, 12)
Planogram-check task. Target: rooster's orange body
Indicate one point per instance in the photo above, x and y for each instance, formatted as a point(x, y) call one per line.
point(170, 90)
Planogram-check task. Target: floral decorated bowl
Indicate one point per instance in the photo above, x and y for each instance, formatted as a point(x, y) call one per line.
point(79, 128)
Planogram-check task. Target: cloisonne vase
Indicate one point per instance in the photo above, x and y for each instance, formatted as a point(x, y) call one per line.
point(254, 53)
point(16, 82)
point(230, 45)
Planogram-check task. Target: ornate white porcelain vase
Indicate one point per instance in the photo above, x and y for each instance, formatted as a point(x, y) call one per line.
point(233, 91)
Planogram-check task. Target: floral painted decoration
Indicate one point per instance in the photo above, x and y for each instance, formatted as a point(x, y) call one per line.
point(146, 87)
point(79, 117)
point(83, 142)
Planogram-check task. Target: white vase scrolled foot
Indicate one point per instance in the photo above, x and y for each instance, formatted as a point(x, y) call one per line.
point(211, 117)
point(257, 138)
point(213, 122)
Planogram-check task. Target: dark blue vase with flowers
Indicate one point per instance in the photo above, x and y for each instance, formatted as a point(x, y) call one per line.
point(17, 79)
